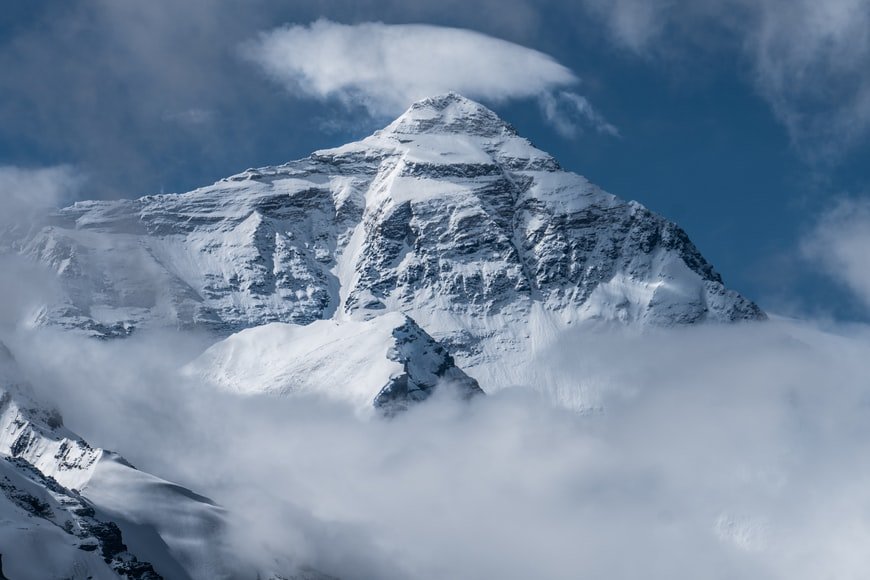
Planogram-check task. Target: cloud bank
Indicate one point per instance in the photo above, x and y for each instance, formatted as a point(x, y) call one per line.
point(384, 68)
point(717, 452)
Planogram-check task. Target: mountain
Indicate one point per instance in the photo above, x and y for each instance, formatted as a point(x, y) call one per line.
point(447, 216)
point(48, 531)
point(386, 362)
point(443, 250)
point(70, 510)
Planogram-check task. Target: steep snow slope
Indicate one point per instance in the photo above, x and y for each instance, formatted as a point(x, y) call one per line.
point(48, 531)
point(385, 362)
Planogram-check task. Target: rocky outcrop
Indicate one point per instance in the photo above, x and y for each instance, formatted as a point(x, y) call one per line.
point(426, 366)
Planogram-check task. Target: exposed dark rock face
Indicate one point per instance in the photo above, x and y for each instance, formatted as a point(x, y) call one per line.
point(427, 366)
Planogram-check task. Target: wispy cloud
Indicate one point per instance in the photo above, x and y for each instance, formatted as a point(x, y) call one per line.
point(811, 61)
point(840, 245)
point(384, 68)
point(808, 59)
point(190, 117)
point(563, 109)
point(25, 192)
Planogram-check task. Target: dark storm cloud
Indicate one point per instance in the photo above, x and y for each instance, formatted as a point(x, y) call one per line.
point(114, 86)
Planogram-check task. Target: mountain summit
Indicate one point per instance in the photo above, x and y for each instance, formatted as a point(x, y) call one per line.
point(450, 113)
point(447, 215)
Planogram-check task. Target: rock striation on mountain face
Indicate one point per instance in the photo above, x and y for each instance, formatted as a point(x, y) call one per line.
point(446, 215)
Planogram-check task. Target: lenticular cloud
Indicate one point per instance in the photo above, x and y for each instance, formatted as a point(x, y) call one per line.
point(384, 68)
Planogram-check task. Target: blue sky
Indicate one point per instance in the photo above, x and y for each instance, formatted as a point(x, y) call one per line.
point(747, 123)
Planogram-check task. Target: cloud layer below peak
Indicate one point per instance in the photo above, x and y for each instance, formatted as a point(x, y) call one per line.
point(384, 68)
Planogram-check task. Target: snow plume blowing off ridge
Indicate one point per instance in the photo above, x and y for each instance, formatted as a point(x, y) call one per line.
point(25, 192)
point(384, 68)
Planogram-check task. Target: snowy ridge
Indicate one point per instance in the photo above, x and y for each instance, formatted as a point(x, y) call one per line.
point(385, 363)
point(36, 433)
point(38, 436)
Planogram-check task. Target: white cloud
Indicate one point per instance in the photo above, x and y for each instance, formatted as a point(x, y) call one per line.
point(24, 192)
point(840, 245)
point(384, 68)
point(808, 59)
point(811, 61)
point(563, 108)
point(721, 452)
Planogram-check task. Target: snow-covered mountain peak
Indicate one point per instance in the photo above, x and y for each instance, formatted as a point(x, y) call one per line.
point(447, 216)
point(450, 113)
point(444, 135)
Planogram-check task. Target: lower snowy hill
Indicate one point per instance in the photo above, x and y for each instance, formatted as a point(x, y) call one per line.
point(67, 500)
point(72, 510)
point(49, 531)
point(386, 362)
